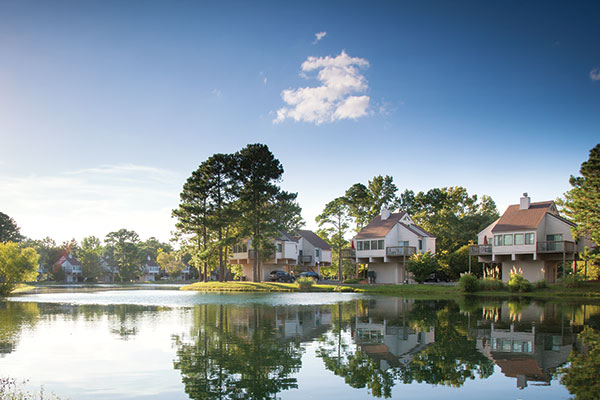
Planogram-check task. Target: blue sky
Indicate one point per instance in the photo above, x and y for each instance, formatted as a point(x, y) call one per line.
point(107, 107)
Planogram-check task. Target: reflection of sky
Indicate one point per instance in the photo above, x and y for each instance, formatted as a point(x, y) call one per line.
point(81, 355)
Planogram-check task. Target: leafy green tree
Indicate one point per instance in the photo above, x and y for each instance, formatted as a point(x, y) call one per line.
point(260, 201)
point(336, 218)
point(365, 202)
point(48, 251)
point(582, 203)
point(359, 204)
point(421, 265)
point(9, 231)
point(581, 377)
point(16, 265)
point(152, 246)
point(126, 253)
point(91, 265)
point(170, 263)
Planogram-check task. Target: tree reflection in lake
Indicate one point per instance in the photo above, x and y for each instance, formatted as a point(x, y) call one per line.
point(249, 352)
point(14, 317)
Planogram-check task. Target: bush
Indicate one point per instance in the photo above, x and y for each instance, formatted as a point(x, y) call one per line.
point(351, 280)
point(468, 283)
point(421, 265)
point(541, 284)
point(571, 281)
point(305, 282)
point(491, 284)
point(517, 283)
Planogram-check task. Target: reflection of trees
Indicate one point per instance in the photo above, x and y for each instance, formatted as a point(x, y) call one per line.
point(581, 377)
point(450, 360)
point(13, 318)
point(235, 353)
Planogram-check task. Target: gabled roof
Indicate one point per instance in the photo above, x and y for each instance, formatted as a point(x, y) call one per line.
point(515, 219)
point(72, 260)
point(314, 239)
point(286, 236)
point(378, 228)
point(151, 263)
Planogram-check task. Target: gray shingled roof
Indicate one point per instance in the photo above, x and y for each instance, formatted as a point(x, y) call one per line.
point(314, 239)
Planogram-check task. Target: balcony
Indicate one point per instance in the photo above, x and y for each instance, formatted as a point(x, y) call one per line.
point(480, 250)
point(304, 259)
point(400, 251)
point(348, 253)
point(559, 246)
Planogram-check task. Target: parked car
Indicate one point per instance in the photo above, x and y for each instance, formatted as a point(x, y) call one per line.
point(438, 276)
point(310, 274)
point(281, 276)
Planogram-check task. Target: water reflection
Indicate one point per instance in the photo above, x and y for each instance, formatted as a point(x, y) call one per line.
point(258, 350)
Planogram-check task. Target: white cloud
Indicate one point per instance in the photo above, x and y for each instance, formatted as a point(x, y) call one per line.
point(340, 96)
point(595, 74)
point(319, 36)
point(93, 201)
point(217, 92)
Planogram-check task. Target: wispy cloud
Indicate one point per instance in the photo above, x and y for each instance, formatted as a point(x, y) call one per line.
point(595, 74)
point(319, 36)
point(340, 96)
point(93, 201)
point(216, 93)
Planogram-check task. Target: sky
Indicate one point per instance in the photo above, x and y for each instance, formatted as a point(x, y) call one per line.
point(106, 107)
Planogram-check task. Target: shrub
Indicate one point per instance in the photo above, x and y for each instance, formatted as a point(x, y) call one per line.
point(517, 283)
point(491, 284)
point(541, 284)
point(351, 280)
point(305, 282)
point(571, 281)
point(468, 283)
point(421, 265)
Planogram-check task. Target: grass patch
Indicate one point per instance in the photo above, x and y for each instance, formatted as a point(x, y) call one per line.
point(22, 288)
point(265, 287)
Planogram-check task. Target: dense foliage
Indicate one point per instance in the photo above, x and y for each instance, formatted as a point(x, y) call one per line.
point(421, 265)
point(16, 265)
point(517, 283)
point(9, 231)
point(468, 283)
point(581, 377)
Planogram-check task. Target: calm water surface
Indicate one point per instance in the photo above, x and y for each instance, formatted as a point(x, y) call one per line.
point(167, 344)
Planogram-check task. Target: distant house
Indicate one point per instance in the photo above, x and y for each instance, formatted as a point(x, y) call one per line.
point(71, 267)
point(285, 257)
point(529, 238)
point(313, 252)
point(150, 270)
point(386, 244)
point(109, 270)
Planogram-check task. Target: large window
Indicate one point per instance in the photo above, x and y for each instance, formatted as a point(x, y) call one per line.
point(498, 240)
point(367, 245)
point(317, 253)
point(380, 244)
point(359, 245)
point(279, 248)
point(519, 239)
point(508, 240)
point(420, 244)
point(529, 238)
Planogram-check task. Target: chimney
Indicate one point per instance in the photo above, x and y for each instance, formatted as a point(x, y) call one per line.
point(525, 202)
point(385, 213)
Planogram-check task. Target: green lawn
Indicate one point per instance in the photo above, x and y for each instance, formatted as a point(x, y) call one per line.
point(589, 291)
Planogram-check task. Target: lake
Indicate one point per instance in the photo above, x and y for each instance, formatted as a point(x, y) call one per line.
point(168, 344)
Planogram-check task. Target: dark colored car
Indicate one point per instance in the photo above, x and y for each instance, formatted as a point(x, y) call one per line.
point(281, 276)
point(438, 276)
point(310, 274)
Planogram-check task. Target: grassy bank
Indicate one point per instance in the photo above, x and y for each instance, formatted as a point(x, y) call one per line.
point(589, 291)
point(264, 287)
point(22, 288)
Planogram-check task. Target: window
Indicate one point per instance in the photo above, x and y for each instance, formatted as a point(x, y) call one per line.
point(367, 245)
point(497, 240)
point(519, 239)
point(359, 245)
point(420, 244)
point(279, 247)
point(508, 240)
point(380, 244)
point(554, 238)
point(317, 253)
point(529, 238)
point(403, 243)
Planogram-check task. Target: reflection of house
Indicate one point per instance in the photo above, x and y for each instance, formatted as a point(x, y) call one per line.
point(391, 345)
point(313, 252)
point(527, 354)
point(387, 242)
point(531, 238)
point(150, 270)
point(284, 257)
point(71, 267)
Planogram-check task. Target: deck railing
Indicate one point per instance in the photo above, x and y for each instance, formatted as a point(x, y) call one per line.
point(348, 253)
point(400, 251)
point(304, 259)
point(556, 246)
point(480, 250)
